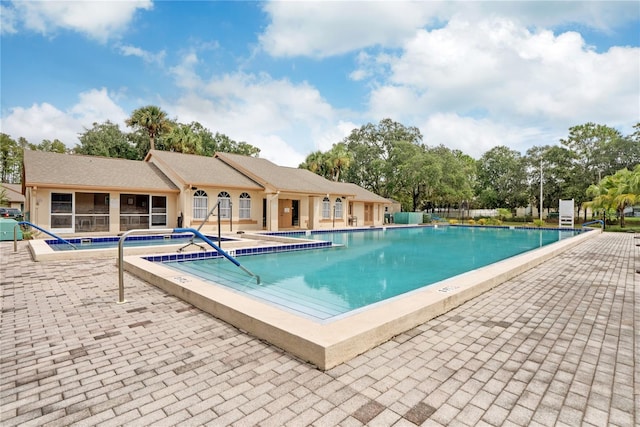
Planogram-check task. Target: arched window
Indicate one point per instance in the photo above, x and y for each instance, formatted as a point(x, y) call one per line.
point(225, 205)
point(338, 208)
point(245, 206)
point(200, 205)
point(326, 208)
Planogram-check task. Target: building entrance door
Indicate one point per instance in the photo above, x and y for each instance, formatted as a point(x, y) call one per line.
point(285, 214)
point(368, 213)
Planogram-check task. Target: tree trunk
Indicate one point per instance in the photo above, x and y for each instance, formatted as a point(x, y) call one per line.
point(415, 196)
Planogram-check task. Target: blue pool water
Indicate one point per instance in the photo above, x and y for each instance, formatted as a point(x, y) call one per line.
point(109, 242)
point(369, 267)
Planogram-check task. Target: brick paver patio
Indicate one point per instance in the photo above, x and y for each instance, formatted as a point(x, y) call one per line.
point(557, 346)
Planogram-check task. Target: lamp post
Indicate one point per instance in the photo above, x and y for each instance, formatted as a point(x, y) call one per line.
point(541, 189)
point(464, 206)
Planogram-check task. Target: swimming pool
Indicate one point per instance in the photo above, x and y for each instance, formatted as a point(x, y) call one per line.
point(368, 266)
point(336, 338)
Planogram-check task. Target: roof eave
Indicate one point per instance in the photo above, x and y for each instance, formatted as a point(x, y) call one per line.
point(94, 187)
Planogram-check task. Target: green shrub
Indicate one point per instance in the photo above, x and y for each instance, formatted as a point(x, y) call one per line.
point(494, 221)
point(538, 222)
point(504, 213)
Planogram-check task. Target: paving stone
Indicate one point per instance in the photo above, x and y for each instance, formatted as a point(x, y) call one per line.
point(332, 418)
point(419, 413)
point(306, 418)
point(553, 346)
point(368, 411)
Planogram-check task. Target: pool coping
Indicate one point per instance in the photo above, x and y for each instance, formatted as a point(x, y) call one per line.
point(329, 344)
point(41, 251)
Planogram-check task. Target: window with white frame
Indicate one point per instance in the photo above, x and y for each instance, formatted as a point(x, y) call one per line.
point(326, 208)
point(338, 208)
point(244, 211)
point(225, 204)
point(200, 205)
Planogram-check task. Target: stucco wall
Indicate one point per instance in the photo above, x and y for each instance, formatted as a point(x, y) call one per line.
point(38, 207)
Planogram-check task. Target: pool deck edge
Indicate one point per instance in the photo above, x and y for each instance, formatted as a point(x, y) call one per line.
point(329, 344)
point(384, 321)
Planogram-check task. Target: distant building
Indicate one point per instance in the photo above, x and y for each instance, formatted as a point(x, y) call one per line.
point(14, 195)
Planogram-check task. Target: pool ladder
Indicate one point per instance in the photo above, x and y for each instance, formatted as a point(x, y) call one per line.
point(195, 232)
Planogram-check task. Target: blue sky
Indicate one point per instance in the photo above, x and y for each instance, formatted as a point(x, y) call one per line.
point(295, 77)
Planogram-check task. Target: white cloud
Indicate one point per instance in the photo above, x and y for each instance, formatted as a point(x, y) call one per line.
point(477, 136)
point(333, 135)
point(146, 56)
point(7, 20)
point(285, 120)
point(39, 122)
point(99, 20)
point(599, 15)
point(98, 106)
point(500, 71)
point(184, 73)
point(321, 29)
point(44, 121)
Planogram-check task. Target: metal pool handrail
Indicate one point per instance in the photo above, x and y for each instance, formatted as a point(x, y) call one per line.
point(593, 222)
point(124, 236)
point(15, 235)
point(216, 206)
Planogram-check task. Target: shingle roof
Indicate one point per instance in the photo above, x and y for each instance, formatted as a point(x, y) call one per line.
point(280, 177)
point(13, 192)
point(67, 170)
point(361, 194)
point(202, 170)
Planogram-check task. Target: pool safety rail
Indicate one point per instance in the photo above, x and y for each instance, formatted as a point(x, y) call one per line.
point(594, 222)
point(15, 235)
point(193, 231)
point(191, 242)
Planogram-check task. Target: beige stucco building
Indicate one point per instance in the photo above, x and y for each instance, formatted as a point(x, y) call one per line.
point(71, 194)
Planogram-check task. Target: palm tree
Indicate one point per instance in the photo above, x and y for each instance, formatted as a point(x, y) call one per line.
point(616, 192)
point(152, 119)
point(182, 139)
point(338, 160)
point(316, 162)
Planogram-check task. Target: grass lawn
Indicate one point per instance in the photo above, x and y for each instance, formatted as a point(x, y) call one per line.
point(632, 225)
